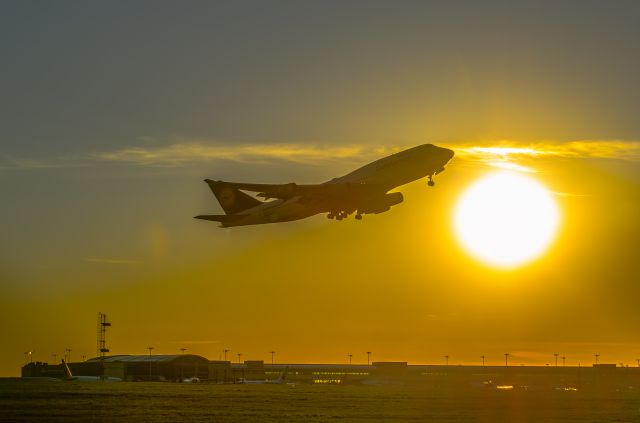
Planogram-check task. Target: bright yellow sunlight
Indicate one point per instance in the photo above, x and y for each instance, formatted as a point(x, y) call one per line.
point(506, 219)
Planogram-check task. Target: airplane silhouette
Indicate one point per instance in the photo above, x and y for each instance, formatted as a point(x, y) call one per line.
point(363, 191)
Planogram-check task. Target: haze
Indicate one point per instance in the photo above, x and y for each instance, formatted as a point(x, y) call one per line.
point(113, 114)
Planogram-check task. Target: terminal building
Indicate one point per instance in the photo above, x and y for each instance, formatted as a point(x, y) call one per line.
point(189, 368)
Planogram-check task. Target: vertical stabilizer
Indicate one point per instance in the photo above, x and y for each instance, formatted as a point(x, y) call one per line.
point(67, 370)
point(231, 199)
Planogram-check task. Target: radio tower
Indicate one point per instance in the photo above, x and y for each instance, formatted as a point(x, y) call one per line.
point(102, 333)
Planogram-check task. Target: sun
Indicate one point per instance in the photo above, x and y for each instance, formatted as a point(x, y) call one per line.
point(506, 219)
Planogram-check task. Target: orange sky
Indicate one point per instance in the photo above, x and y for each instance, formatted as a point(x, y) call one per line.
point(115, 115)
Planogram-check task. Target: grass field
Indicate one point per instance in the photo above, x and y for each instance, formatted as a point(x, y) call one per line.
point(147, 402)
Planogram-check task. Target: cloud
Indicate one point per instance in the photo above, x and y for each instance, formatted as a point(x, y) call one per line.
point(12, 162)
point(503, 154)
point(192, 152)
point(623, 150)
point(511, 155)
point(108, 260)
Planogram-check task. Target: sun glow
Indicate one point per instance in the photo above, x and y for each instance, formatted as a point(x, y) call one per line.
point(506, 219)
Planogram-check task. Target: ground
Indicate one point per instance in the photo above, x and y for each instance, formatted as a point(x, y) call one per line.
point(58, 401)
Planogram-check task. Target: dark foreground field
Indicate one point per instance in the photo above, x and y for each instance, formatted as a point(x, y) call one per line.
point(148, 402)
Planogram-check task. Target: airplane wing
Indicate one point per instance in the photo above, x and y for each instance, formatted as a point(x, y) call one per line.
point(286, 191)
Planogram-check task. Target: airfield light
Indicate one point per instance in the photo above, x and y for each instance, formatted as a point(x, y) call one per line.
point(446, 360)
point(150, 349)
point(272, 354)
point(368, 358)
point(350, 357)
point(506, 359)
point(556, 357)
point(482, 357)
point(597, 357)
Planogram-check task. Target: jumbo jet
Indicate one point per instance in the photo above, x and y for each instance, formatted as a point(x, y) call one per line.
point(363, 191)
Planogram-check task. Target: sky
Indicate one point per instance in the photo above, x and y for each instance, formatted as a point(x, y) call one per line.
point(113, 114)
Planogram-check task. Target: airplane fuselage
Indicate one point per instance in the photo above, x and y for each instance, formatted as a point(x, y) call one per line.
point(365, 190)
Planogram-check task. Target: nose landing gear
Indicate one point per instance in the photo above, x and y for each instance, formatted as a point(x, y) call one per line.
point(431, 183)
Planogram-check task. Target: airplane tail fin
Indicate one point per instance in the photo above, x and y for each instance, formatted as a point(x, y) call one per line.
point(232, 200)
point(67, 370)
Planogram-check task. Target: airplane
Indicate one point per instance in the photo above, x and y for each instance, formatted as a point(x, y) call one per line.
point(281, 380)
point(363, 191)
point(70, 377)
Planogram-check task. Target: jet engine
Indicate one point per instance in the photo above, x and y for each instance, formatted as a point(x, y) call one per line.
point(381, 204)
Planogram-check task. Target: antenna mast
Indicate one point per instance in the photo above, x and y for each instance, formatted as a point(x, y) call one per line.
point(102, 334)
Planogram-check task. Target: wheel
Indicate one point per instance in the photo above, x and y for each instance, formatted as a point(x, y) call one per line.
point(330, 216)
point(338, 217)
point(358, 217)
point(431, 183)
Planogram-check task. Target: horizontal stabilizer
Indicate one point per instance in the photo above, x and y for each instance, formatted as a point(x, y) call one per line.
point(222, 218)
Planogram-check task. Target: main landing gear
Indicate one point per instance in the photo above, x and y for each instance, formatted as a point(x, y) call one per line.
point(342, 215)
point(431, 183)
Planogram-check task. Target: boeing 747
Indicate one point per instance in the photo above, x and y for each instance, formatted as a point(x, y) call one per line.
point(363, 191)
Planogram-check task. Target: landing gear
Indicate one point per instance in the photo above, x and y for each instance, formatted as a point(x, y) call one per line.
point(342, 215)
point(431, 183)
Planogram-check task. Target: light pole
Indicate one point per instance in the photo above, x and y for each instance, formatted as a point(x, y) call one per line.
point(638, 361)
point(350, 357)
point(368, 358)
point(272, 354)
point(150, 349)
point(68, 350)
point(225, 351)
point(28, 357)
point(239, 355)
point(506, 359)
point(563, 360)
point(482, 357)
point(182, 350)
point(84, 357)
point(556, 356)
point(446, 360)
point(597, 357)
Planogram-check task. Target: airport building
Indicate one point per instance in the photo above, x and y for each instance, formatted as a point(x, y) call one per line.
point(189, 367)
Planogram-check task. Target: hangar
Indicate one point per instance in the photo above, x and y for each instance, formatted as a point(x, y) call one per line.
point(176, 367)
